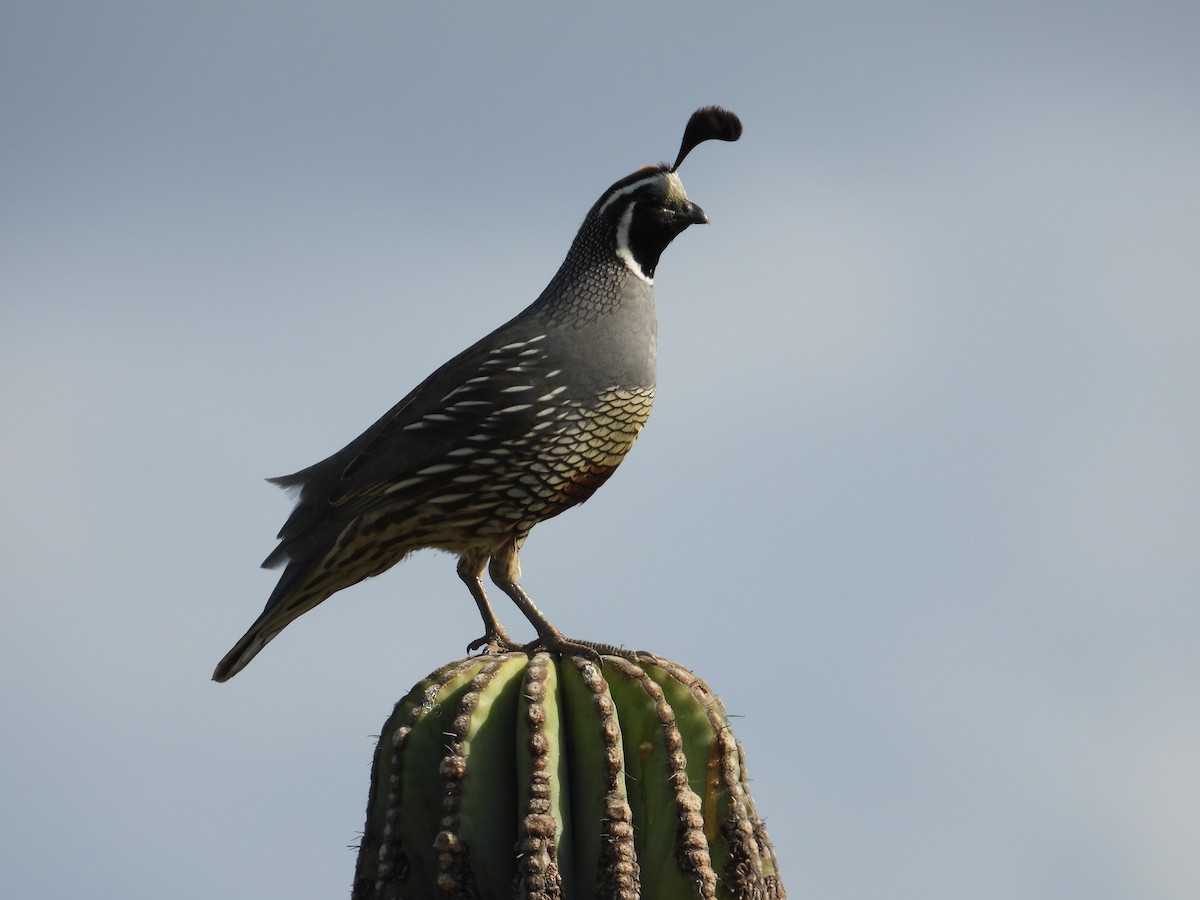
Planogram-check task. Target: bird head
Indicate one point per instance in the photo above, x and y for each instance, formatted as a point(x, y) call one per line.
point(649, 208)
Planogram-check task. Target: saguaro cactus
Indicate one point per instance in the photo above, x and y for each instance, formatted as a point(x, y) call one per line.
point(509, 776)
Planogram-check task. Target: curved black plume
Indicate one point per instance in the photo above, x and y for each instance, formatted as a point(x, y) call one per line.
point(708, 123)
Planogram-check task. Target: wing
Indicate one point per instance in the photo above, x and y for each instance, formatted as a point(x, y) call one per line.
point(487, 393)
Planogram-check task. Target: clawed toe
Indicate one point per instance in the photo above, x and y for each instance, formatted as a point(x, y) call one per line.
point(562, 646)
point(592, 651)
point(494, 642)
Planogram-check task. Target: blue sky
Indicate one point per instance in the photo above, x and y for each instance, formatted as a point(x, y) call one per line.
point(918, 498)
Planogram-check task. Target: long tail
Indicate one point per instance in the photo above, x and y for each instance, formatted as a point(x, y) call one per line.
point(293, 595)
point(244, 651)
point(288, 602)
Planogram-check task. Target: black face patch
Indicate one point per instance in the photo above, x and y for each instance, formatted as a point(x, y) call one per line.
point(647, 211)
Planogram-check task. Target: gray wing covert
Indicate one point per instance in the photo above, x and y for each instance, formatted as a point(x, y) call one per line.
point(484, 395)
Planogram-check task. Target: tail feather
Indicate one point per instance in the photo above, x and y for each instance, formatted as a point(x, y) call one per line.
point(292, 597)
point(281, 609)
point(288, 602)
point(241, 654)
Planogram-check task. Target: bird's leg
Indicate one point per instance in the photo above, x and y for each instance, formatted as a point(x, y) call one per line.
point(495, 639)
point(505, 570)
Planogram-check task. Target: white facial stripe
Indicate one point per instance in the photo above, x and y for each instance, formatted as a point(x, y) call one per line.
point(630, 188)
point(623, 250)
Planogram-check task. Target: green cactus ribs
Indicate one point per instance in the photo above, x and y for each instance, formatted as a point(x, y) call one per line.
point(553, 778)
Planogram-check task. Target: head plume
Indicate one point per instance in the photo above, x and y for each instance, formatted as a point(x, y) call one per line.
point(708, 123)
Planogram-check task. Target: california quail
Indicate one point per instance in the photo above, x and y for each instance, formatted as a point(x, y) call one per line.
point(523, 425)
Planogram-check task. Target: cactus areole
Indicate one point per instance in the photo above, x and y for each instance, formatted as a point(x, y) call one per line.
point(509, 776)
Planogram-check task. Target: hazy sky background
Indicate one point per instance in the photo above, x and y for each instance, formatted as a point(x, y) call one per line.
point(919, 497)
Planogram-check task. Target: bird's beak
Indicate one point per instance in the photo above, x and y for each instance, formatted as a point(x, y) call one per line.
point(693, 215)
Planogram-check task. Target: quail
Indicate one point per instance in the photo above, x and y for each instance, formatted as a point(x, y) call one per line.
point(517, 428)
